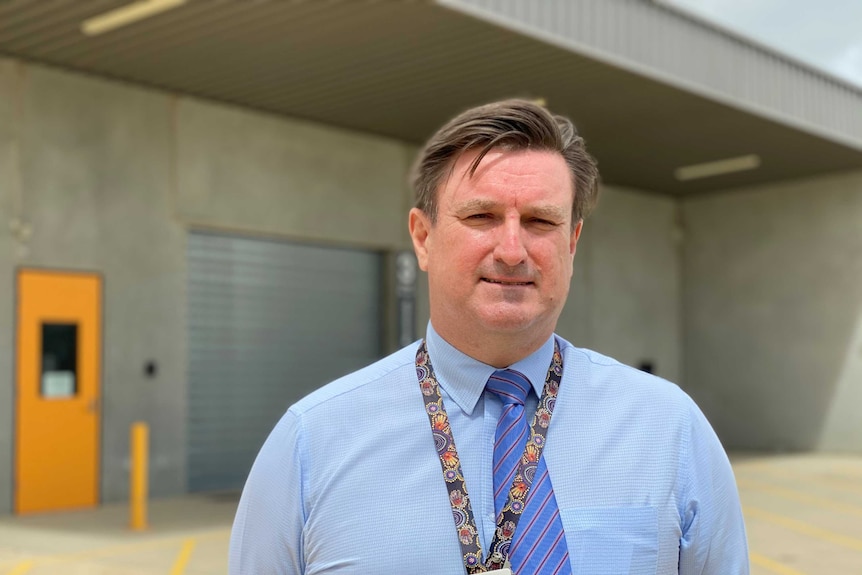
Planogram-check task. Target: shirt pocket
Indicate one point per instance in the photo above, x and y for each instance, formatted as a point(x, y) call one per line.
point(611, 540)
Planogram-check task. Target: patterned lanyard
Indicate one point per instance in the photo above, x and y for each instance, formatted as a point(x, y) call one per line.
point(507, 521)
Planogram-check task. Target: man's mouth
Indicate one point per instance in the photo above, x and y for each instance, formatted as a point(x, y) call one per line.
point(507, 282)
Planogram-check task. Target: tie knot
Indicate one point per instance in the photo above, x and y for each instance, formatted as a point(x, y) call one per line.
point(510, 385)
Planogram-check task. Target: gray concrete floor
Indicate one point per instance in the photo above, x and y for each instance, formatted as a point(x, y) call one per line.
point(803, 515)
point(186, 536)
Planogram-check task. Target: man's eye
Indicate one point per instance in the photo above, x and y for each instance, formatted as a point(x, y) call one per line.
point(544, 223)
point(478, 216)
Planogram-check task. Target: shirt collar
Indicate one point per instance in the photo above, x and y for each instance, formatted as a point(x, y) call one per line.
point(463, 378)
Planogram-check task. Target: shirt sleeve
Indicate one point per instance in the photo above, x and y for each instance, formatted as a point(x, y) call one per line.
point(713, 538)
point(266, 538)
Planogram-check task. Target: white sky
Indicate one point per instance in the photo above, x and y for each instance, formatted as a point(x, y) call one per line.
point(824, 33)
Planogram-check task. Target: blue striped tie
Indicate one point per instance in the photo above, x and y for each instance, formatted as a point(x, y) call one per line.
point(539, 546)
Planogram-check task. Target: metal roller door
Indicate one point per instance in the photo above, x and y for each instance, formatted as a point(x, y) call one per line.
point(268, 322)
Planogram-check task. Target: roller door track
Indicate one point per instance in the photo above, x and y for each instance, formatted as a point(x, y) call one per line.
point(268, 322)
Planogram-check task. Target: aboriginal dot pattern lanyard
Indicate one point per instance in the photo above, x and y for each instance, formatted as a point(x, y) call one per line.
point(507, 520)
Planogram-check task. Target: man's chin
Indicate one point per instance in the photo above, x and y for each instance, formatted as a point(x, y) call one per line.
point(509, 323)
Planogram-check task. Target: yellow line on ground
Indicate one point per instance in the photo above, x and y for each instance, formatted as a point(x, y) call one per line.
point(803, 528)
point(183, 558)
point(771, 565)
point(800, 497)
point(21, 568)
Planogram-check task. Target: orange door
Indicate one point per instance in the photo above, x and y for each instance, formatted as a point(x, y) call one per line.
point(57, 401)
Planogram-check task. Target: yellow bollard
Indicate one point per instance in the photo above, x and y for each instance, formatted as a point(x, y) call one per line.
point(139, 476)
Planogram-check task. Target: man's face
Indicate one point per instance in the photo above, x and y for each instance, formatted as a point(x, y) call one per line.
point(499, 257)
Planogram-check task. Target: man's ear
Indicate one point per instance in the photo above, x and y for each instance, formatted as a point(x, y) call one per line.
point(419, 225)
point(576, 235)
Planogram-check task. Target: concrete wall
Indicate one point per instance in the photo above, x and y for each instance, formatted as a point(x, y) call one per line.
point(111, 178)
point(248, 171)
point(94, 168)
point(773, 313)
point(624, 300)
point(9, 202)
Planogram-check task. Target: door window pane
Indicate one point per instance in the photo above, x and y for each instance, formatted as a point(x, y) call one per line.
point(59, 360)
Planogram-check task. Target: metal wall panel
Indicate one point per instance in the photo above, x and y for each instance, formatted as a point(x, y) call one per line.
point(671, 46)
point(268, 322)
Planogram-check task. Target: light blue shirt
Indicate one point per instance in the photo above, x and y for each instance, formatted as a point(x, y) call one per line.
point(349, 480)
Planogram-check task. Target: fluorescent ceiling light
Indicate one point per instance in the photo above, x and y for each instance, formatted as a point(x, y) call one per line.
point(125, 15)
point(717, 168)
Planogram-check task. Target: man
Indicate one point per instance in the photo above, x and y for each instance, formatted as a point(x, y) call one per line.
point(493, 443)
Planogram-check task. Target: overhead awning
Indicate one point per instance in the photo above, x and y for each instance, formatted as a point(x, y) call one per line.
point(400, 69)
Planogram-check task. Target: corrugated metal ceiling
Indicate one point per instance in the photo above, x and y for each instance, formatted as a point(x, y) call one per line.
point(400, 69)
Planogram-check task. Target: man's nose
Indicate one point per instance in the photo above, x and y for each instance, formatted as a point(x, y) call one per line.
point(510, 248)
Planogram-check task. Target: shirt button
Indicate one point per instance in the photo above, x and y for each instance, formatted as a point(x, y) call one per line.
point(492, 517)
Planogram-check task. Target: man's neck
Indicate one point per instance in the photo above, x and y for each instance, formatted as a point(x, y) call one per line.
point(498, 350)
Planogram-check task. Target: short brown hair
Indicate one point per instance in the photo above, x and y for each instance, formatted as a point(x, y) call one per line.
point(510, 125)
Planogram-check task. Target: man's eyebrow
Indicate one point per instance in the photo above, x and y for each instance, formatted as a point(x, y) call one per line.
point(476, 205)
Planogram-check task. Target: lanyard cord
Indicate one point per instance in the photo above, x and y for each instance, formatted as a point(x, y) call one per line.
point(507, 521)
